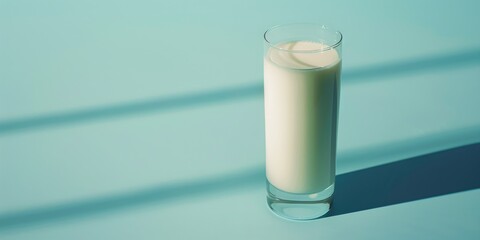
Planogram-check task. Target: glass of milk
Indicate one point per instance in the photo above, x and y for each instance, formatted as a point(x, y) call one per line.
point(302, 66)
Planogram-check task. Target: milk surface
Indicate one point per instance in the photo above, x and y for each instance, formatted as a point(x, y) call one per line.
point(301, 109)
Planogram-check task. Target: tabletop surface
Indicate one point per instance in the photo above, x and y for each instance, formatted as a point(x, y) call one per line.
point(144, 119)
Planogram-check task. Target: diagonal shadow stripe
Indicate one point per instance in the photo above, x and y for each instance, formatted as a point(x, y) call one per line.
point(127, 109)
point(355, 76)
point(155, 195)
point(441, 61)
point(430, 175)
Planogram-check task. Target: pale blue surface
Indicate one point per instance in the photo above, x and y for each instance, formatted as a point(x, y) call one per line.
point(109, 98)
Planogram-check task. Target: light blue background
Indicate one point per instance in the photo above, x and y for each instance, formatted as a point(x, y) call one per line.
point(109, 98)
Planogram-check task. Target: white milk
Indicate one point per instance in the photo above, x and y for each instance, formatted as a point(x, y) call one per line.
point(301, 109)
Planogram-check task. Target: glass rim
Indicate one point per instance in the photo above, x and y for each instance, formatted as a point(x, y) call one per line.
point(325, 27)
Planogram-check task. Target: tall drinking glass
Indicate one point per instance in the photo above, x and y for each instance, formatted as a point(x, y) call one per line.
point(302, 66)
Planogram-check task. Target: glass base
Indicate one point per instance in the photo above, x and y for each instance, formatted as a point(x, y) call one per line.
point(294, 206)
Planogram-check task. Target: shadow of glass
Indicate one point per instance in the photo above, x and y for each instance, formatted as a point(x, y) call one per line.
point(426, 176)
point(421, 177)
point(355, 76)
